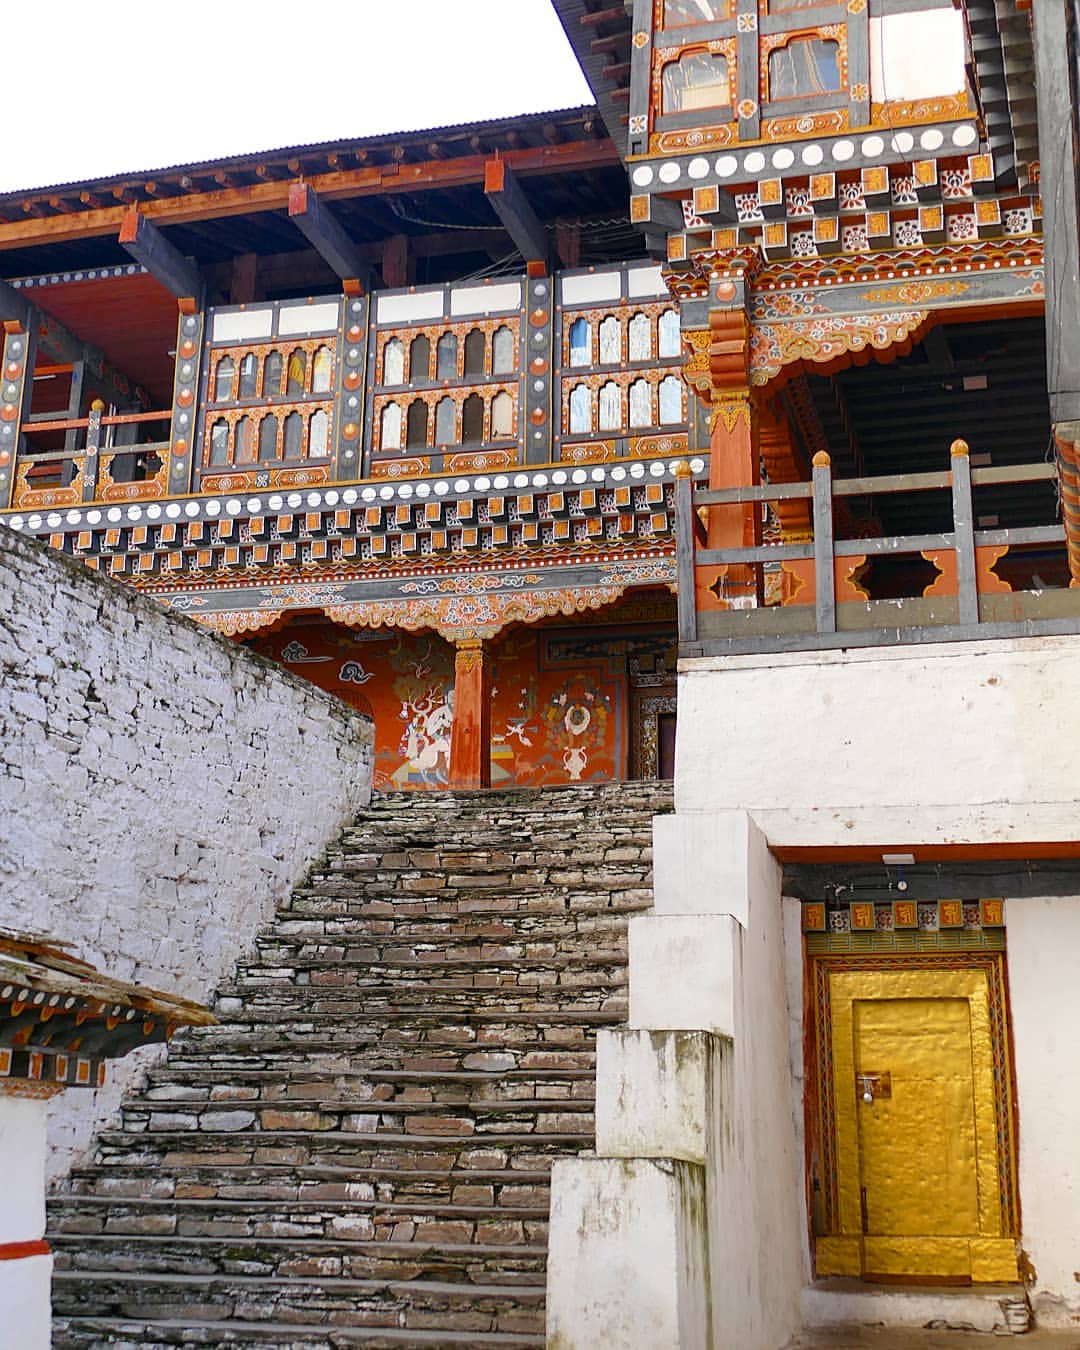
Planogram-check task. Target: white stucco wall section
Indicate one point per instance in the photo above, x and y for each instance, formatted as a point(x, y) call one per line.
point(161, 789)
point(952, 743)
point(698, 1178)
point(1043, 941)
point(24, 1280)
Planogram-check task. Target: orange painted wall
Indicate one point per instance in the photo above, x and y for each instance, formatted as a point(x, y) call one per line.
point(560, 699)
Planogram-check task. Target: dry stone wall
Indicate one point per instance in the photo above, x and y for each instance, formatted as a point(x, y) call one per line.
point(161, 789)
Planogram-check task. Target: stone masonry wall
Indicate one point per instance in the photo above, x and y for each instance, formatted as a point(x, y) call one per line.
point(161, 789)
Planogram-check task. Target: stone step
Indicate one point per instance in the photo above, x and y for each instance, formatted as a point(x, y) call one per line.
point(93, 1333)
point(288, 1184)
point(347, 1254)
point(313, 1301)
point(357, 1219)
point(204, 1084)
point(375, 1094)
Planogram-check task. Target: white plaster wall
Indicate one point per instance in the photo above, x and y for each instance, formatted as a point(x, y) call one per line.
point(1043, 938)
point(25, 1303)
point(22, 1146)
point(951, 743)
point(917, 55)
point(161, 789)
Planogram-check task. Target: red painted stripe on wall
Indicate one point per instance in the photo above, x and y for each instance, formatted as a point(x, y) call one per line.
point(16, 1251)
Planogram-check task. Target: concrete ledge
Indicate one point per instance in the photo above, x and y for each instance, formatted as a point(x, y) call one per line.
point(626, 1255)
point(683, 971)
point(843, 1303)
point(656, 1092)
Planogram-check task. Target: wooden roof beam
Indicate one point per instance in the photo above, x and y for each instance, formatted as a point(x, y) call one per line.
point(325, 233)
point(147, 245)
point(511, 205)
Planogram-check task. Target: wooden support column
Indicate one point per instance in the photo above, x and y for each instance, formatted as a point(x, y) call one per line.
point(145, 242)
point(470, 737)
point(321, 228)
point(512, 206)
point(16, 390)
point(735, 453)
point(395, 262)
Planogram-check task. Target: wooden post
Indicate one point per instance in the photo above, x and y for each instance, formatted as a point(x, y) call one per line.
point(470, 736)
point(19, 353)
point(685, 549)
point(964, 533)
point(824, 566)
point(91, 460)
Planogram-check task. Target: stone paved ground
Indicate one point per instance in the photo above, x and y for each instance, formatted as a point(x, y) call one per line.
point(884, 1338)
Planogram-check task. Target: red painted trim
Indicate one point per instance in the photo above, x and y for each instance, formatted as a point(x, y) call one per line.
point(16, 1251)
point(871, 853)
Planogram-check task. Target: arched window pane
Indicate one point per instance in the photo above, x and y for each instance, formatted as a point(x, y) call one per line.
point(696, 80)
point(806, 66)
point(390, 428)
point(669, 333)
point(268, 438)
point(678, 13)
point(640, 338)
point(245, 442)
point(502, 416)
point(223, 378)
point(640, 404)
point(272, 376)
point(294, 436)
point(294, 386)
point(249, 376)
point(502, 351)
point(419, 359)
point(445, 420)
point(472, 418)
point(318, 434)
point(393, 362)
point(474, 352)
point(321, 371)
point(610, 342)
point(446, 357)
point(416, 424)
point(671, 409)
point(219, 441)
point(610, 407)
point(580, 343)
point(581, 409)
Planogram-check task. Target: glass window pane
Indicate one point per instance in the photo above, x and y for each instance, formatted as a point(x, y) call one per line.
point(474, 352)
point(446, 357)
point(321, 371)
point(272, 376)
point(502, 351)
point(581, 409)
point(268, 438)
point(696, 80)
point(580, 343)
point(219, 442)
point(393, 362)
point(318, 434)
point(416, 424)
point(390, 428)
point(297, 374)
point(669, 333)
point(445, 421)
point(223, 379)
point(245, 442)
point(294, 436)
point(671, 409)
point(640, 404)
point(610, 407)
point(806, 66)
point(472, 419)
point(502, 416)
point(610, 342)
point(249, 376)
point(419, 359)
point(640, 338)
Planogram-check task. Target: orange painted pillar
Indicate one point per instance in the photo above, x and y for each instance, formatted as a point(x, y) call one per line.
point(470, 736)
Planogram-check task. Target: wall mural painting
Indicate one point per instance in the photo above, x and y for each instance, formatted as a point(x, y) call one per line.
point(560, 699)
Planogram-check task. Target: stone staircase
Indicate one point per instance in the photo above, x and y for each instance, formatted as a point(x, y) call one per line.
point(359, 1153)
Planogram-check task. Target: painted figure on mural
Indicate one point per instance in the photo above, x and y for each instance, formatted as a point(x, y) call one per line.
point(576, 718)
point(425, 742)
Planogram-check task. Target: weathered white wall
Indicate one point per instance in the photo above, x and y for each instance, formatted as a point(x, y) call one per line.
point(161, 789)
point(975, 742)
point(1043, 938)
point(24, 1281)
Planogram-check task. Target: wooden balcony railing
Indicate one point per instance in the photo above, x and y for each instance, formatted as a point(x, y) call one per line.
point(820, 602)
point(84, 472)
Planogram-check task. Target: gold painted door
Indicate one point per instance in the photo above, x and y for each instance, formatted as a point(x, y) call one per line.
point(916, 1130)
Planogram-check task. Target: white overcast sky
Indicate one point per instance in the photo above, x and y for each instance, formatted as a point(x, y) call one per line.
point(121, 86)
